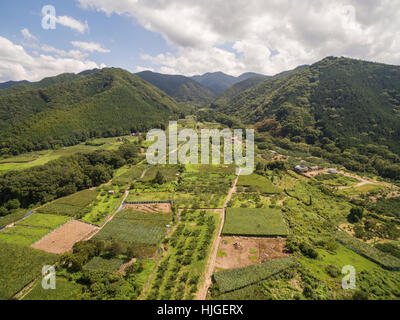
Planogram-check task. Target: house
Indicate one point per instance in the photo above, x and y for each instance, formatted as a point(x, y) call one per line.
point(314, 168)
point(332, 170)
point(111, 192)
point(301, 168)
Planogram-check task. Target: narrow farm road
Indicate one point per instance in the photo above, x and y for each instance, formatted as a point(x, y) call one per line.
point(202, 294)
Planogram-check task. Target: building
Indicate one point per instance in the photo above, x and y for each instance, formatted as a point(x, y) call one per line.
point(314, 168)
point(300, 168)
point(332, 170)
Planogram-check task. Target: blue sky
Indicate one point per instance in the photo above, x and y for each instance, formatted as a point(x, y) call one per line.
point(120, 34)
point(193, 36)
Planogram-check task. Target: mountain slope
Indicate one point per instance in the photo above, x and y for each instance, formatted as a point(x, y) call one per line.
point(181, 88)
point(336, 101)
point(107, 102)
point(236, 89)
point(217, 82)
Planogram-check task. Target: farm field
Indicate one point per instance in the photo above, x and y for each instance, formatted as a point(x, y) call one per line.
point(168, 172)
point(19, 266)
point(233, 279)
point(65, 290)
point(141, 229)
point(63, 239)
point(31, 229)
point(185, 257)
point(72, 206)
point(104, 204)
point(128, 175)
point(254, 222)
point(148, 196)
point(101, 264)
point(257, 183)
point(237, 252)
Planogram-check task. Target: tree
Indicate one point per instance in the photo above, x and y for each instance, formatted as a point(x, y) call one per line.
point(356, 215)
point(159, 179)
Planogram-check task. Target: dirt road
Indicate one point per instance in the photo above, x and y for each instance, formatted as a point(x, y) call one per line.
point(202, 294)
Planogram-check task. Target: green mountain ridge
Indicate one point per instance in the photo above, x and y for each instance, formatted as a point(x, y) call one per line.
point(72, 108)
point(181, 88)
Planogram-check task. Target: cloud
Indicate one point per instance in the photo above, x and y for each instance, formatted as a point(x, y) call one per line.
point(17, 64)
point(263, 36)
point(27, 35)
point(89, 46)
point(140, 69)
point(72, 23)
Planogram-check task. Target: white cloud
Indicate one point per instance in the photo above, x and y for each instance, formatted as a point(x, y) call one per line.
point(17, 64)
point(140, 69)
point(27, 35)
point(73, 23)
point(235, 36)
point(89, 46)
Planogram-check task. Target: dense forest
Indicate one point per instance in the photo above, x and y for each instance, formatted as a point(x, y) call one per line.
point(62, 177)
point(347, 110)
point(70, 109)
point(181, 88)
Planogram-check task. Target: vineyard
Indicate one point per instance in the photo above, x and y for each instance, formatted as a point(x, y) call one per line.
point(233, 279)
point(19, 266)
point(72, 206)
point(371, 253)
point(136, 227)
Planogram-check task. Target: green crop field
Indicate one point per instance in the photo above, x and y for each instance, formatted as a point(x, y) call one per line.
point(73, 205)
point(148, 196)
point(258, 183)
point(101, 264)
point(32, 229)
point(136, 227)
point(128, 176)
point(65, 290)
point(233, 279)
point(254, 222)
point(169, 173)
point(19, 266)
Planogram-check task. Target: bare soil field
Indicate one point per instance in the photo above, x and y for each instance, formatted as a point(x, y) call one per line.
point(153, 207)
point(62, 239)
point(237, 252)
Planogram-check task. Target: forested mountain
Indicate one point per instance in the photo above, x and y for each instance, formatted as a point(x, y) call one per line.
point(69, 108)
point(238, 88)
point(181, 88)
point(8, 84)
point(338, 104)
point(217, 82)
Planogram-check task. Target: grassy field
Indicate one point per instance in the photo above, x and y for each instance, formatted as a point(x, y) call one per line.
point(32, 229)
point(72, 206)
point(367, 188)
point(254, 222)
point(230, 280)
point(168, 172)
point(136, 228)
point(65, 290)
point(19, 266)
point(38, 158)
point(128, 175)
point(336, 180)
point(257, 183)
point(101, 264)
